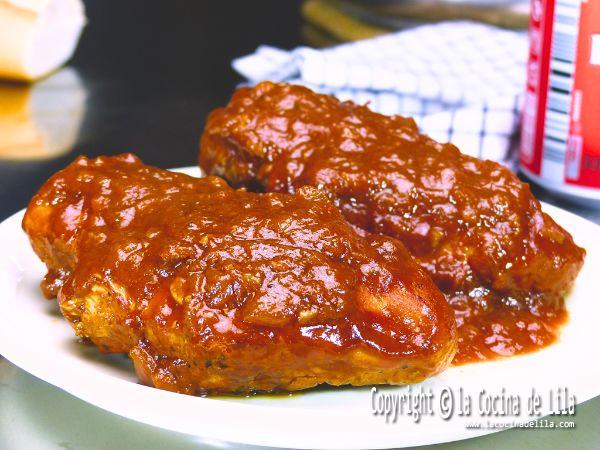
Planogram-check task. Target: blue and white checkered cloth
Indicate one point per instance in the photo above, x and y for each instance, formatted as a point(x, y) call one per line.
point(461, 81)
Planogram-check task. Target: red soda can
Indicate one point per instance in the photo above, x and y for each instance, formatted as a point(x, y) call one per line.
point(560, 134)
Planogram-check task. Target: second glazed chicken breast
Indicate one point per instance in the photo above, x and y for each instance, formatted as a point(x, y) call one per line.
point(504, 265)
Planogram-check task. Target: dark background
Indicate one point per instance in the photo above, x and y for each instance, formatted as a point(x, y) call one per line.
point(152, 71)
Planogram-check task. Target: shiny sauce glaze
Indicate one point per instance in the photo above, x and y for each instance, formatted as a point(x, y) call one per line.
point(192, 272)
point(504, 265)
point(492, 325)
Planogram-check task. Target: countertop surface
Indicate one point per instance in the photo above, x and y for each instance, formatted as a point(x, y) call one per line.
point(144, 77)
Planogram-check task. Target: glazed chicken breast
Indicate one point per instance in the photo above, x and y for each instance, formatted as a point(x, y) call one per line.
point(504, 265)
point(214, 290)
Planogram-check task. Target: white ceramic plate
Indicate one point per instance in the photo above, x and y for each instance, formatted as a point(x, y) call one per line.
point(34, 336)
